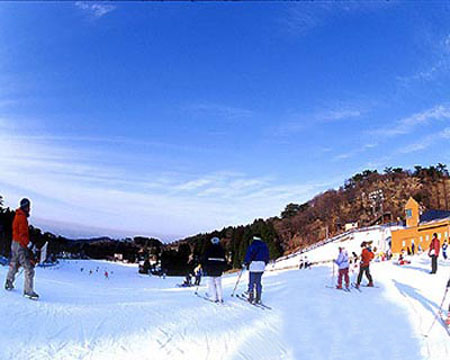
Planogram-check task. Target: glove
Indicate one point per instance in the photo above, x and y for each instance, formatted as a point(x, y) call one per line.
point(448, 284)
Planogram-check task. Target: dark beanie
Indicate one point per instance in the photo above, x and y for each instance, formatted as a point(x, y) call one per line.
point(24, 203)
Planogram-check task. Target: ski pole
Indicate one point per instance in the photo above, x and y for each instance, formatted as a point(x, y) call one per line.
point(332, 277)
point(237, 282)
point(440, 309)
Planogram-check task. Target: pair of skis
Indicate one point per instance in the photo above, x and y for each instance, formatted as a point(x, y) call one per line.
point(241, 297)
point(209, 299)
point(336, 288)
point(258, 305)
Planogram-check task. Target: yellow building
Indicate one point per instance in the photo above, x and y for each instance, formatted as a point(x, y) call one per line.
point(420, 228)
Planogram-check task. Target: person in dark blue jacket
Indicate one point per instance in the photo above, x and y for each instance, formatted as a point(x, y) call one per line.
point(256, 259)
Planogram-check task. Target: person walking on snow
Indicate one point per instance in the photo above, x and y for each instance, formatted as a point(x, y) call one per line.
point(342, 262)
point(433, 252)
point(366, 258)
point(256, 259)
point(21, 254)
point(444, 249)
point(214, 264)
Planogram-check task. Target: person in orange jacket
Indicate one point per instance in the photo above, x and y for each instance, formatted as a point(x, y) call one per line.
point(366, 257)
point(21, 254)
point(433, 252)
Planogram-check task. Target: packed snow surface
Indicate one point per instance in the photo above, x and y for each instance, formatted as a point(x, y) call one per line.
point(131, 316)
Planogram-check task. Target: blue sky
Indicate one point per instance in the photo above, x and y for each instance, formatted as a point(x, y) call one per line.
point(170, 119)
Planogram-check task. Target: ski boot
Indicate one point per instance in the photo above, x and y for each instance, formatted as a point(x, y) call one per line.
point(250, 297)
point(31, 295)
point(447, 322)
point(356, 286)
point(9, 285)
point(370, 284)
point(339, 287)
point(258, 299)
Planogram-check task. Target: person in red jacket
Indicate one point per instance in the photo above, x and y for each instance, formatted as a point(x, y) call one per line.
point(433, 252)
point(366, 257)
point(20, 252)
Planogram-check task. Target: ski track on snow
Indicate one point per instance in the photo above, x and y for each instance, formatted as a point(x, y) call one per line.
point(82, 316)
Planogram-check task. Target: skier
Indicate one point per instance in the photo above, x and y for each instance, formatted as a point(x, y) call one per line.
point(255, 261)
point(307, 263)
point(214, 264)
point(444, 249)
point(198, 274)
point(300, 266)
point(190, 271)
point(342, 262)
point(433, 252)
point(21, 254)
point(366, 258)
point(106, 275)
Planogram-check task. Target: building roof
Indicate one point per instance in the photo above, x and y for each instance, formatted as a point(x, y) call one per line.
point(433, 215)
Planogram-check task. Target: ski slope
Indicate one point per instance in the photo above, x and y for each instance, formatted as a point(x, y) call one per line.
point(130, 316)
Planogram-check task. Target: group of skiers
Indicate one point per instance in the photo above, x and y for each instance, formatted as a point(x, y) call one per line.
point(343, 263)
point(214, 264)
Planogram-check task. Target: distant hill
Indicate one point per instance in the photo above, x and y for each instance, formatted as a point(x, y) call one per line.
point(366, 198)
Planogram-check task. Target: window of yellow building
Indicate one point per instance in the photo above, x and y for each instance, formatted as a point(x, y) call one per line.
point(427, 238)
point(421, 239)
point(408, 213)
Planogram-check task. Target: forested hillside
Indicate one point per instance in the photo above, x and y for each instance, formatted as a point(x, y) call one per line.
point(367, 198)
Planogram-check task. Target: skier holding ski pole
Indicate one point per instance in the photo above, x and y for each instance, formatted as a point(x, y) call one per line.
point(214, 264)
point(21, 254)
point(366, 257)
point(342, 262)
point(256, 260)
point(237, 281)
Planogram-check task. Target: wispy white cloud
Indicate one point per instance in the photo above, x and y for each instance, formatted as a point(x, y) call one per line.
point(298, 122)
point(357, 151)
point(69, 184)
point(217, 111)
point(96, 9)
point(434, 66)
point(302, 17)
point(426, 141)
point(410, 123)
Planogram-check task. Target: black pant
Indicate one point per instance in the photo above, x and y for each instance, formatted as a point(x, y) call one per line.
point(364, 270)
point(433, 264)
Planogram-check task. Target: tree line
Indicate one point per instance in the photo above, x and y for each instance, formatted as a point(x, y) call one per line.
point(297, 226)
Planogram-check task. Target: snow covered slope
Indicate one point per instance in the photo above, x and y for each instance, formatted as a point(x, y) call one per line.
point(82, 316)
